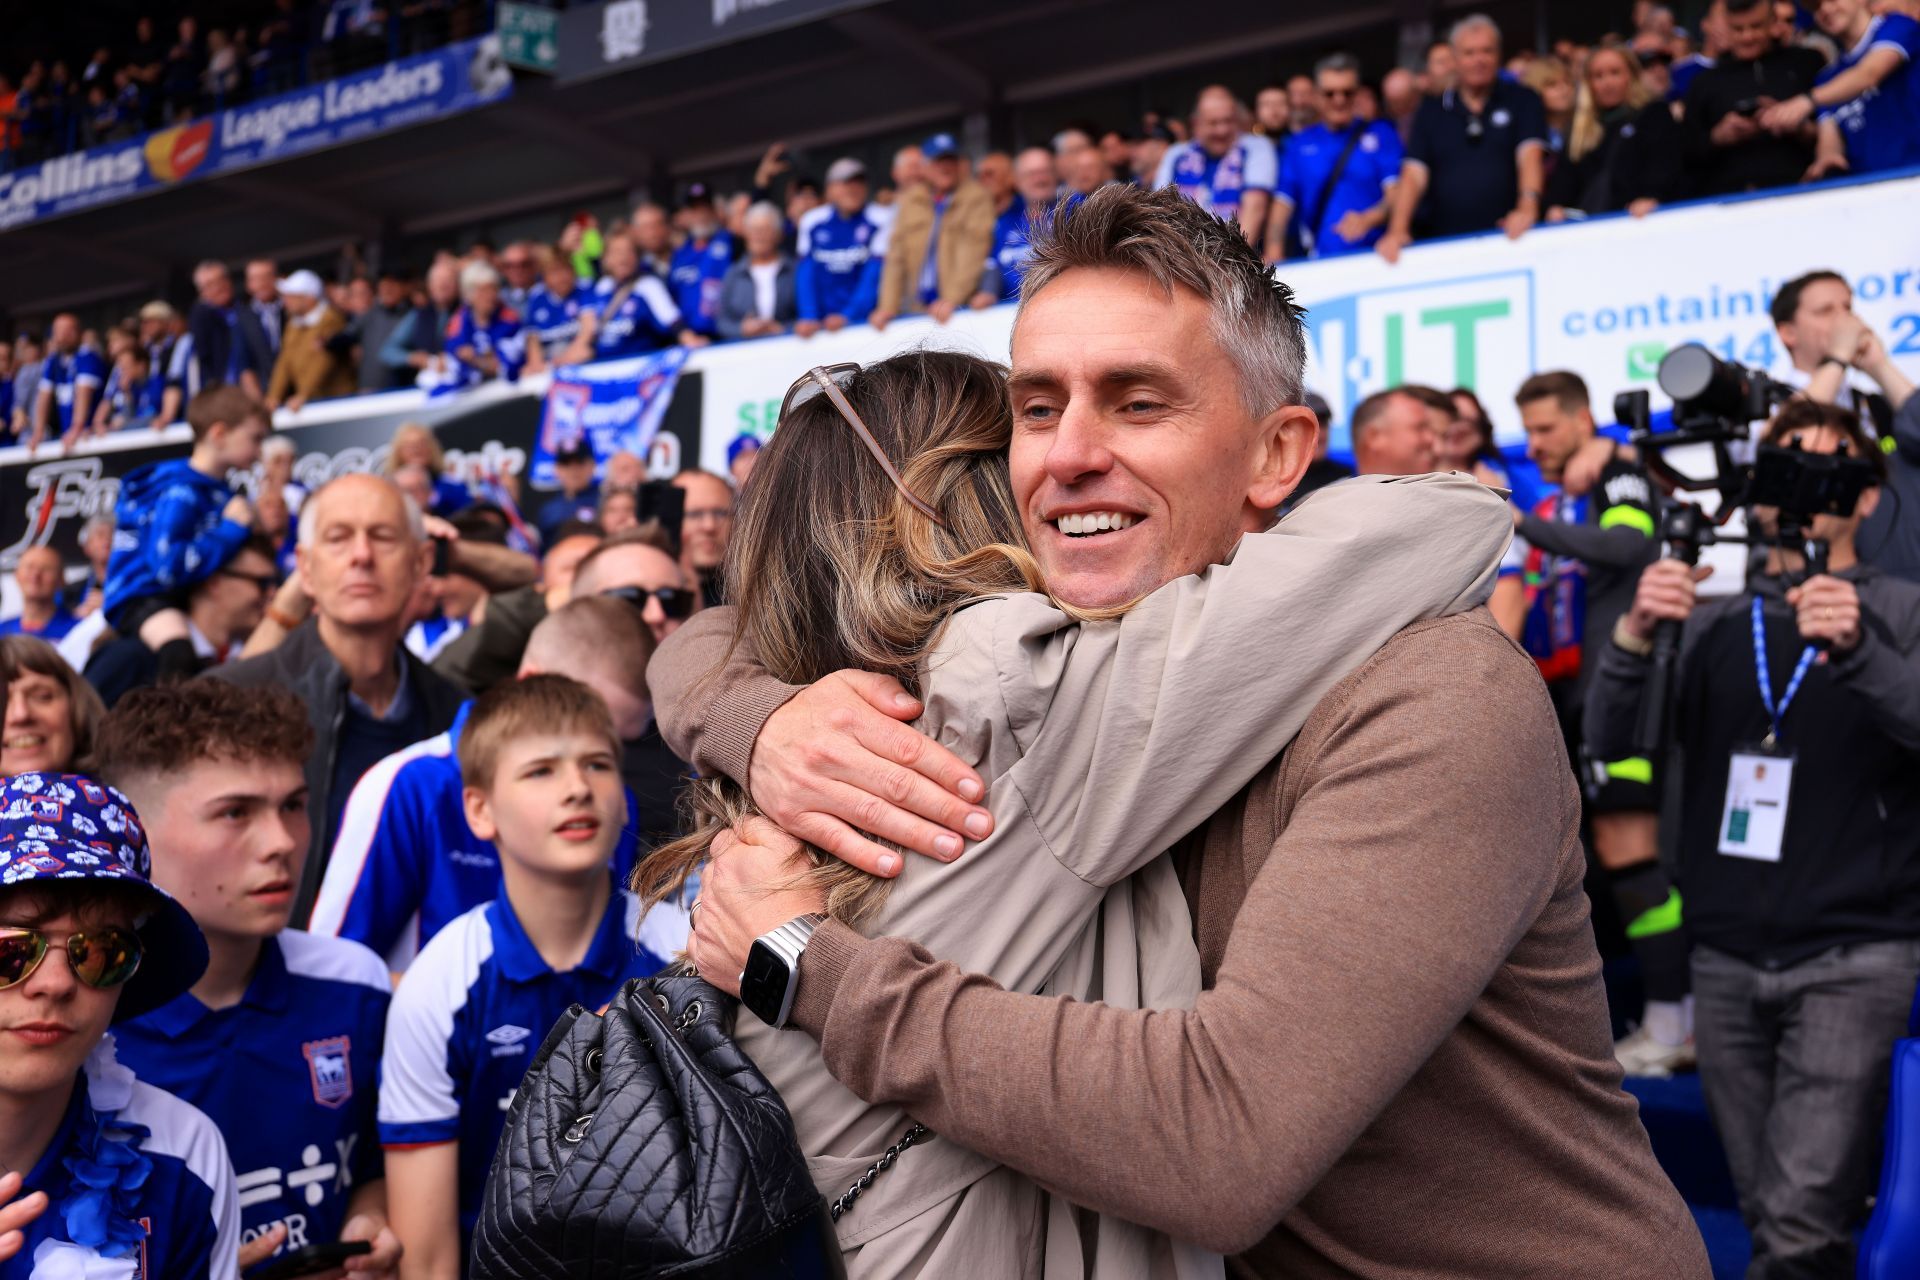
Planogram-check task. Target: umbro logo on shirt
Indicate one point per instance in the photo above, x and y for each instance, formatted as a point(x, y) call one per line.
point(508, 1040)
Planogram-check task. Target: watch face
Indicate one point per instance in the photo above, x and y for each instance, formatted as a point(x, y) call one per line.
point(763, 986)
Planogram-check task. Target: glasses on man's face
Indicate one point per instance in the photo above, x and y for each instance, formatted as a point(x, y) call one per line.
point(675, 602)
point(101, 958)
point(1476, 130)
point(829, 379)
point(265, 583)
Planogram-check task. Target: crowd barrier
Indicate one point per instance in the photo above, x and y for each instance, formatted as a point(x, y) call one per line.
point(1606, 298)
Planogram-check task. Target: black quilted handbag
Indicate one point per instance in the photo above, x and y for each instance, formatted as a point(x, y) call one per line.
point(644, 1142)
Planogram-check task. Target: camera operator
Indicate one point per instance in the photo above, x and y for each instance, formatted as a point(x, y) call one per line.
point(1798, 853)
point(1585, 547)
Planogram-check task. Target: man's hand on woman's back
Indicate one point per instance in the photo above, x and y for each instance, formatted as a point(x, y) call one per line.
point(836, 765)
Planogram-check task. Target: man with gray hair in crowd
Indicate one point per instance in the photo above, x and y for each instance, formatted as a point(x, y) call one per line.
point(1401, 1064)
point(362, 550)
point(1476, 154)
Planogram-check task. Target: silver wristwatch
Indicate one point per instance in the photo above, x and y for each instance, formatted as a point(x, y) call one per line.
point(772, 975)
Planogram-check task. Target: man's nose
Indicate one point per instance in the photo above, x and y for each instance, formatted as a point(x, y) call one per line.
point(1079, 448)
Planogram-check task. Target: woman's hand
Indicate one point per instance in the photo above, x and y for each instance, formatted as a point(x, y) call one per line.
point(742, 896)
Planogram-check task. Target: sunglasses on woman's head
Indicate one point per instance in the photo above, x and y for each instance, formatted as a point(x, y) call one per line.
point(101, 958)
point(829, 379)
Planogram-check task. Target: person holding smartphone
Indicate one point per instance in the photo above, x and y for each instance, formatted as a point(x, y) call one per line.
point(1727, 150)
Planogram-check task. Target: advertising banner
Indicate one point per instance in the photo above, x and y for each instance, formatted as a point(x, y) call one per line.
point(616, 406)
point(457, 78)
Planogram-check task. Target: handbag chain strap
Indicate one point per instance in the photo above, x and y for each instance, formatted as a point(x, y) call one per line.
point(874, 1170)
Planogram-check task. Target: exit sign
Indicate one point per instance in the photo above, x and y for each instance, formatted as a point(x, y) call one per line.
point(528, 35)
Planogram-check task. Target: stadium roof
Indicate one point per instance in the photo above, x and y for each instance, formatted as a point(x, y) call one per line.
point(885, 67)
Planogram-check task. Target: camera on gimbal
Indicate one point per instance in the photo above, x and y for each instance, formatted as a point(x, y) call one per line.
point(1715, 403)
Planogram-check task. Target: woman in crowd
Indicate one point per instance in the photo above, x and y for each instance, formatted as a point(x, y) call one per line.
point(1623, 151)
point(630, 312)
point(486, 340)
point(1553, 81)
point(912, 563)
point(757, 298)
point(414, 445)
point(53, 716)
point(1467, 444)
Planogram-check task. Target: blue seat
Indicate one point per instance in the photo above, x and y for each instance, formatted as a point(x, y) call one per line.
point(1890, 1249)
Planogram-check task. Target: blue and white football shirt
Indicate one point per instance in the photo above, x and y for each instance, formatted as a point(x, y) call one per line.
point(695, 275)
point(289, 1075)
point(406, 864)
point(839, 269)
point(186, 1204)
point(633, 320)
point(1218, 183)
point(474, 1009)
point(63, 374)
point(556, 320)
point(1881, 127)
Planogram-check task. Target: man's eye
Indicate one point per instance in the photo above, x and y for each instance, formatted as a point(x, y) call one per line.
point(1142, 406)
point(1038, 412)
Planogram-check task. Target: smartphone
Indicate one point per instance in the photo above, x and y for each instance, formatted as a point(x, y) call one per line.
point(311, 1261)
point(666, 502)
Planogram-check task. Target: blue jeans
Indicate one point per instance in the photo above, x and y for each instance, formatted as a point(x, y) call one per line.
point(1794, 1062)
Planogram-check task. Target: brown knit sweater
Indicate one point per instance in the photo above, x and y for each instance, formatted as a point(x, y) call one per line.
point(1401, 1065)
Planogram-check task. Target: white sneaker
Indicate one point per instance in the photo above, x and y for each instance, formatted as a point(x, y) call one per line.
point(1642, 1055)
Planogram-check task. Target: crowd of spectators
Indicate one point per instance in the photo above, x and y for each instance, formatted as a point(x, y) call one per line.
point(1476, 139)
point(171, 71)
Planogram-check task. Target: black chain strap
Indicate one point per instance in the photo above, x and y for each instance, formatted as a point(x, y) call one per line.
point(874, 1170)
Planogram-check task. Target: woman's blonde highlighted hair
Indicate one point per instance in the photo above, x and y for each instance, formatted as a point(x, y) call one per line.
point(831, 567)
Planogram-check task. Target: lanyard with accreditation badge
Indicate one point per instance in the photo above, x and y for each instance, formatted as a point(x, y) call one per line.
point(1759, 779)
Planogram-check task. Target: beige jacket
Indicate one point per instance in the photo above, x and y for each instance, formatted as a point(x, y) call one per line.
point(966, 237)
point(1102, 745)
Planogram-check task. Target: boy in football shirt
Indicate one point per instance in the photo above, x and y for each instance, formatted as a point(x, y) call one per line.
point(87, 942)
point(406, 864)
point(279, 1041)
point(541, 764)
point(177, 523)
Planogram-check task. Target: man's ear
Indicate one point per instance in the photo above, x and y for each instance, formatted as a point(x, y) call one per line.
point(301, 557)
point(1284, 450)
point(1869, 499)
point(479, 813)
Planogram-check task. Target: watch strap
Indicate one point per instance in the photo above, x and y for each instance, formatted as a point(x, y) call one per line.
point(788, 942)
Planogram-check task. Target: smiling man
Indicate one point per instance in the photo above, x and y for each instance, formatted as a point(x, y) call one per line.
point(362, 550)
point(1401, 1064)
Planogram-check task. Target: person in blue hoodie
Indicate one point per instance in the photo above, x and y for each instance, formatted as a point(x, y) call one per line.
point(700, 264)
point(178, 523)
point(841, 246)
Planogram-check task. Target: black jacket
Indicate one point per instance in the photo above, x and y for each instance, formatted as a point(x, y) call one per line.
point(1890, 538)
point(1850, 864)
point(1638, 157)
point(215, 330)
point(1765, 160)
point(304, 665)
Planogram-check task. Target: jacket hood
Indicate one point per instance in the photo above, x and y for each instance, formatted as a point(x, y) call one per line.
point(144, 484)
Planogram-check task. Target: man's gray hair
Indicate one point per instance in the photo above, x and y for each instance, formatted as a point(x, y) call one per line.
point(278, 447)
point(310, 509)
point(1471, 23)
point(1175, 243)
point(1336, 62)
point(476, 275)
point(765, 211)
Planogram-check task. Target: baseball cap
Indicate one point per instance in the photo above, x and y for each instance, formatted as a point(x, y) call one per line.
point(304, 284)
point(940, 146)
point(697, 193)
point(156, 310)
point(65, 829)
point(574, 451)
point(846, 169)
point(745, 442)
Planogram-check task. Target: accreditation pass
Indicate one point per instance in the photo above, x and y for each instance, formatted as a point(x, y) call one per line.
point(1754, 821)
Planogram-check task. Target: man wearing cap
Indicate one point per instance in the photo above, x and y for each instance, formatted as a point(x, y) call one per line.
point(156, 337)
point(86, 941)
point(939, 240)
point(841, 244)
point(700, 263)
point(313, 363)
point(579, 497)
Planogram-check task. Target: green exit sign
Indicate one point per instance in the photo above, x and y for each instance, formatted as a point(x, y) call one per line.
point(529, 35)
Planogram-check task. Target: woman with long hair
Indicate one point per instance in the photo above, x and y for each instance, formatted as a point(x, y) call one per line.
point(881, 531)
point(1623, 150)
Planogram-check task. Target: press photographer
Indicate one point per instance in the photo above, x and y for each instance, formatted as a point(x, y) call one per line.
point(1795, 709)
